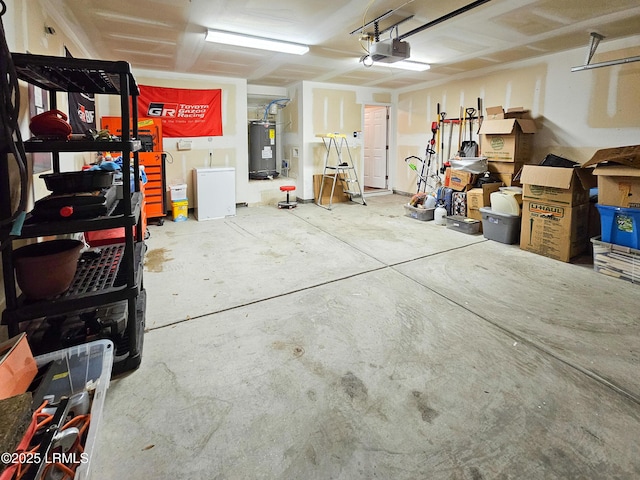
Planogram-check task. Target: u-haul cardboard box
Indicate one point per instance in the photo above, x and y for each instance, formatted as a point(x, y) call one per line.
point(555, 211)
point(556, 231)
point(565, 186)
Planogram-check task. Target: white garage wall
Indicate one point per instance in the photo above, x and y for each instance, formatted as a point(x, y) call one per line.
point(228, 150)
point(331, 108)
point(576, 113)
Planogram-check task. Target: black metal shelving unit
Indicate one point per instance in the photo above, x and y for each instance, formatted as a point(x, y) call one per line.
point(115, 275)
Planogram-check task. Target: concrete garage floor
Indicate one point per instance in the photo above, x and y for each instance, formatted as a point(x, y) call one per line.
point(359, 343)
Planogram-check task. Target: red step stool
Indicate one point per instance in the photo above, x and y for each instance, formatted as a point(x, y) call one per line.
point(287, 203)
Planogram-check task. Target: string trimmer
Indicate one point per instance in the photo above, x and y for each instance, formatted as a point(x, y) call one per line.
point(425, 167)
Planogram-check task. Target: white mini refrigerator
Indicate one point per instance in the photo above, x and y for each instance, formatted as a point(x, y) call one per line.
point(214, 192)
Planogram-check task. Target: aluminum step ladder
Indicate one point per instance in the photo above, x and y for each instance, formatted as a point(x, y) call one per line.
point(339, 169)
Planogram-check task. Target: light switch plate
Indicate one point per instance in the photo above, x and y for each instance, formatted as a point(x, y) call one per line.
point(184, 144)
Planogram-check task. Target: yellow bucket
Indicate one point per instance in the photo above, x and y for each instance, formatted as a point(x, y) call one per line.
point(180, 210)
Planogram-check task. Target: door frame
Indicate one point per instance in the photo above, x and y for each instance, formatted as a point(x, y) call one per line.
point(386, 188)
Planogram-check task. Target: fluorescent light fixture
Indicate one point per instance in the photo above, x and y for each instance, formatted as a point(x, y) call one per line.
point(241, 40)
point(406, 65)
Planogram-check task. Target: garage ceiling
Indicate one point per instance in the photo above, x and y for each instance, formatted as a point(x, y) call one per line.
point(169, 35)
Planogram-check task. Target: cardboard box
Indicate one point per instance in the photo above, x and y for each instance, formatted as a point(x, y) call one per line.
point(478, 198)
point(481, 197)
point(475, 199)
point(494, 113)
point(629, 156)
point(498, 113)
point(618, 186)
point(504, 167)
point(618, 173)
point(507, 137)
point(553, 230)
point(509, 179)
point(516, 112)
point(461, 180)
point(17, 366)
point(561, 186)
point(555, 213)
point(338, 194)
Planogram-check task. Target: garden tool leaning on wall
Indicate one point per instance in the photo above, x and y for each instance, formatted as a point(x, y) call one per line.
point(425, 165)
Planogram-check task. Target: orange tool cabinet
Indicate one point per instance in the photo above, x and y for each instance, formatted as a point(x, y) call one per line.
point(152, 158)
point(154, 189)
point(98, 238)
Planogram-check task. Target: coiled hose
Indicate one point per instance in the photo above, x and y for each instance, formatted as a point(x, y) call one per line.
point(10, 138)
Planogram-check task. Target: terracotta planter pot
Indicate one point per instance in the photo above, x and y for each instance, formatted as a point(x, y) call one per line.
point(46, 269)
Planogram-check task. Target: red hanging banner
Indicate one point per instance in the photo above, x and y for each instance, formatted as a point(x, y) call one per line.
point(184, 113)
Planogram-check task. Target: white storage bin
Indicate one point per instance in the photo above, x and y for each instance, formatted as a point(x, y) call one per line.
point(178, 192)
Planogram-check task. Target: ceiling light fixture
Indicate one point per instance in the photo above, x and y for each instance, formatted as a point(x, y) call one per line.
point(407, 65)
point(242, 40)
point(366, 60)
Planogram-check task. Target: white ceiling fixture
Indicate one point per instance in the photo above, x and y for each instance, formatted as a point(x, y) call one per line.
point(394, 52)
point(406, 65)
point(390, 50)
point(250, 41)
point(368, 61)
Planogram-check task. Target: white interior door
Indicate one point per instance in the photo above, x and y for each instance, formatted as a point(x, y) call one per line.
point(375, 146)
